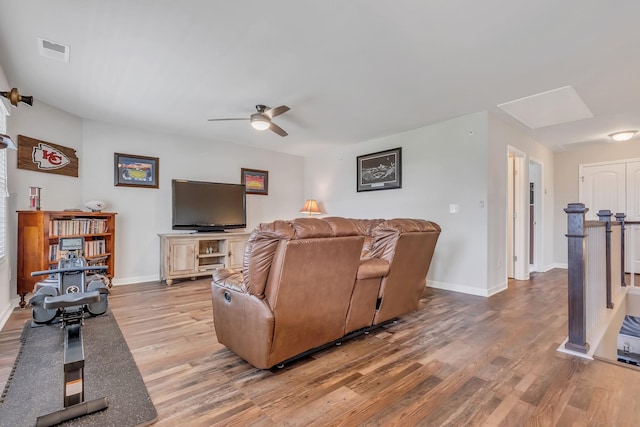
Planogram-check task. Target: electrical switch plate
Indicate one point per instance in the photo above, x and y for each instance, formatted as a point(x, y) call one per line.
point(453, 208)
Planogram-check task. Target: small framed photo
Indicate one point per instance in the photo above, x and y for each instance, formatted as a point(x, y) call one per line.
point(135, 171)
point(256, 181)
point(380, 171)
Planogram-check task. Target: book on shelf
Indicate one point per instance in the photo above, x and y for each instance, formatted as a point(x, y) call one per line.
point(77, 226)
point(92, 248)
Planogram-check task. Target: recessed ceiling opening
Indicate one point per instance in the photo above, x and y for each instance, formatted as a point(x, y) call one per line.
point(554, 107)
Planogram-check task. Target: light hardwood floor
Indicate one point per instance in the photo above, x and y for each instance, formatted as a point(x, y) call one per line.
point(458, 360)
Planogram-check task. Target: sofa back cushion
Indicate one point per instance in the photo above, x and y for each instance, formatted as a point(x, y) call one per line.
point(365, 227)
point(342, 226)
point(306, 228)
point(259, 251)
point(264, 239)
point(387, 233)
point(408, 245)
point(309, 289)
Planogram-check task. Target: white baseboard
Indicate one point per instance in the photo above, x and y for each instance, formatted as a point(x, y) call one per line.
point(467, 289)
point(497, 289)
point(562, 265)
point(4, 316)
point(130, 280)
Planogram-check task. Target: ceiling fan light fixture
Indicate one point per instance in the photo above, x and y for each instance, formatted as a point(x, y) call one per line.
point(259, 122)
point(624, 135)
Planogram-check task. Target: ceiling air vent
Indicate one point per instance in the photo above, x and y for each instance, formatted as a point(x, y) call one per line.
point(53, 50)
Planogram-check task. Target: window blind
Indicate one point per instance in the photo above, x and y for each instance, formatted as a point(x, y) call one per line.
point(4, 193)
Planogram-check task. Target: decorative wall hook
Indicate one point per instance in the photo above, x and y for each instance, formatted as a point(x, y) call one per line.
point(14, 97)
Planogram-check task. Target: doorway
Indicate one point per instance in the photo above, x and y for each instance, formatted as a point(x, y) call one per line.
point(517, 216)
point(536, 192)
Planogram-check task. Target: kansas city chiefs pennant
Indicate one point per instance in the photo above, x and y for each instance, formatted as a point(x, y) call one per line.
point(43, 156)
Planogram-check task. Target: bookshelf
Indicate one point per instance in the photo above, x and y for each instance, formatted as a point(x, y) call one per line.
point(38, 234)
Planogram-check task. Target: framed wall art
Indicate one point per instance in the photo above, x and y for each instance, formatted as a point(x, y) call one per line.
point(380, 171)
point(135, 171)
point(256, 181)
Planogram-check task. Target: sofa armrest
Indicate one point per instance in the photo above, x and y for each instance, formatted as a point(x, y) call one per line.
point(372, 267)
point(229, 279)
point(362, 305)
point(244, 323)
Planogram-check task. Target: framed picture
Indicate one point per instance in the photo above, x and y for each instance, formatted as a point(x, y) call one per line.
point(380, 171)
point(256, 181)
point(135, 171)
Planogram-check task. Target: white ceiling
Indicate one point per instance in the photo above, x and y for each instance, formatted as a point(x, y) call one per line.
point(350, 70)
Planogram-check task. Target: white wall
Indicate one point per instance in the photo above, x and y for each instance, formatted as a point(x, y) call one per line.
point(567, 184)
point(442, 164)
point(41, 121)
point(461, 161)
point(501, 136)
point(44, 122)
point(142, 212)
point(49, 124)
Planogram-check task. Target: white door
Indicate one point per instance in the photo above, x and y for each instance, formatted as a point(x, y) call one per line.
point(518, 217)
point(603, 187)
point(616, 187)
point(633, 192)
point(632, 240)
point(510, 214)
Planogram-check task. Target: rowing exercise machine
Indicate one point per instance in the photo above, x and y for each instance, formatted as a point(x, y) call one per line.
point(71, 276)
point(73, 300)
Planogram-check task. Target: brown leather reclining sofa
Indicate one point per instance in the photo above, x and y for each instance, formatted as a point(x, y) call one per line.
point(308, 282)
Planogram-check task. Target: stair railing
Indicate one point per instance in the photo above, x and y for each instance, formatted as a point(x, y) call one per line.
point(595, 273)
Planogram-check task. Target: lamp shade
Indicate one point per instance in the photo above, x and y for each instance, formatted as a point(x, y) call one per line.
point(310, 207)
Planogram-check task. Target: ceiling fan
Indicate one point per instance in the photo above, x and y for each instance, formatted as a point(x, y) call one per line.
point(262, 119)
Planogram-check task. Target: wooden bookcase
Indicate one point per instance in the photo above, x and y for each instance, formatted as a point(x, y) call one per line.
point(38, 234)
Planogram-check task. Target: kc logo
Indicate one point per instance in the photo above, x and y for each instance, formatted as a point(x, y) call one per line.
point(48, 157)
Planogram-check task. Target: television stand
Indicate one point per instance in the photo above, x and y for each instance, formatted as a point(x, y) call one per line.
point(195, 255)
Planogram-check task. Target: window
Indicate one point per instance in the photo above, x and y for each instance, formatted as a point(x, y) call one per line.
point(4, 193)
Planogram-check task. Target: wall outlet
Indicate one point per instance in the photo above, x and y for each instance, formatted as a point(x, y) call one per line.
point(453, 208)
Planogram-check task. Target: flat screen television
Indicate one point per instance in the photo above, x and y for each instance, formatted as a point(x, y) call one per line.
point(207, 206)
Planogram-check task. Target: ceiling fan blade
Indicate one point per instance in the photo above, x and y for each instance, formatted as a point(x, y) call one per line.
point(276, 111)
point(277, 129)
point(222, 120)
